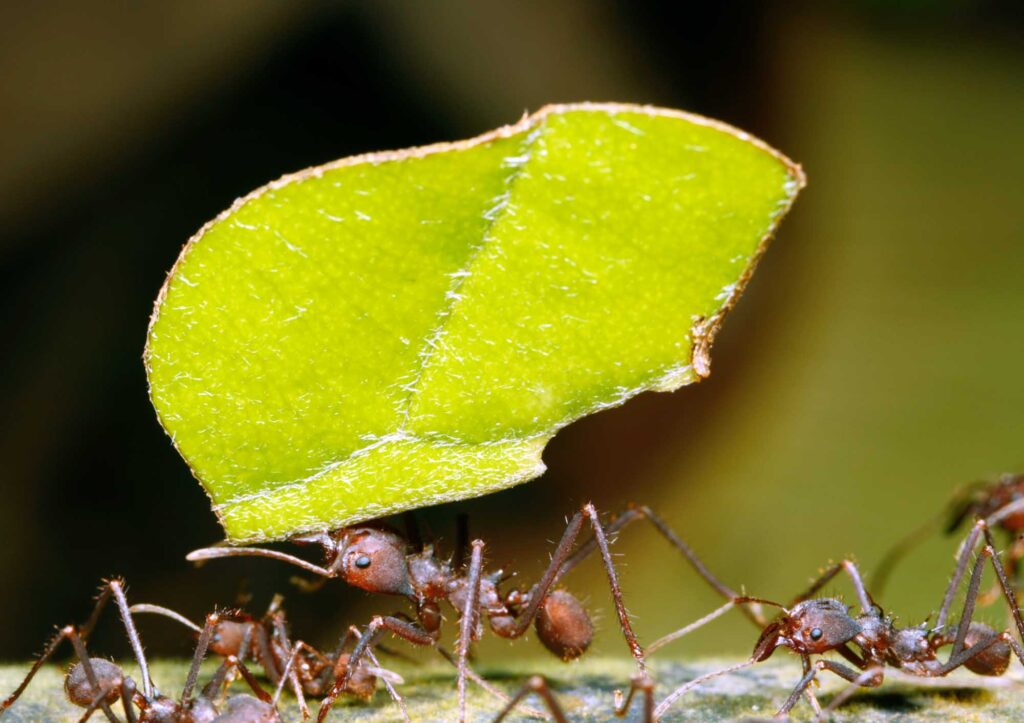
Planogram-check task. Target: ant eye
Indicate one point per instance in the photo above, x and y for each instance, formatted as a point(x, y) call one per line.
point(362, 562)
point(816, 634)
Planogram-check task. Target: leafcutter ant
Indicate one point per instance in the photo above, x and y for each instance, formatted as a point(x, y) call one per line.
point(265, 641)
point(815, 626)
point(96, 683)
point(381, 560)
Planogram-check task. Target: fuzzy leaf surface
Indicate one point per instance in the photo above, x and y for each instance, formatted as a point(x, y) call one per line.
point(400, 329)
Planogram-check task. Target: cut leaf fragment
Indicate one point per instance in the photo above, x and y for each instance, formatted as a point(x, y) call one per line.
point(400, 329)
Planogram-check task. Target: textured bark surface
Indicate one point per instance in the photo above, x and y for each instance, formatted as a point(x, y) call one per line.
point(586, 690)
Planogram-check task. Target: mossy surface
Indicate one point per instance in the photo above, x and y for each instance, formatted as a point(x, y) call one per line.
point(585, 690)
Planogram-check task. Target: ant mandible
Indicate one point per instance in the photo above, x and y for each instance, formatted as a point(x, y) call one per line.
point(380, 560)
point(97, 683)
point(999, 503)
point(814, 626)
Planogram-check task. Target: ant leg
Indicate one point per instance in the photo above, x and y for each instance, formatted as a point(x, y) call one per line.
point(70, 633)
point(850, 568)
point(399, 701)
point(1011, 564)
point(117, 590)
point(470, 617)
point(870, 678)
point(277, 619)
point(83, 658)
point(844, 672)
point(97, 702)
point(473, 676)
point(959, 655)
point(250, 679)
point(558, 559)
point(407, 631)
point(1008, 594)
point(646, 688)
point(536, 684)
point(197, 659)
point(963, 561)
point(672, 697)
point(967, 549)
point(638, 512)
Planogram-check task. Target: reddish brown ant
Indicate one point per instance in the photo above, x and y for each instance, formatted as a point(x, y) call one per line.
point(999, 503)
point(380, 560)
point(814, 626)
point(265, 641)
point(96, 683)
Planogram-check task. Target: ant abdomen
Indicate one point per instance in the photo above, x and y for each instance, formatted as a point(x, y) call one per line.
point(993, 660)
point(82, 693)
point(362, 684)
point(247, 709)
point(563, 625)
point(229, 636)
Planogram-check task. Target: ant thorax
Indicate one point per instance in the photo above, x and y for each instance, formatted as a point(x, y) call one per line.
point(430, 576)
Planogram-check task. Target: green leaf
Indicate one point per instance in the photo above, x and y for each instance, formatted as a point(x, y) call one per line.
point(400, 329)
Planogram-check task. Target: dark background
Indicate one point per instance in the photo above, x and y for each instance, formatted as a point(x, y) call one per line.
point(872, 367)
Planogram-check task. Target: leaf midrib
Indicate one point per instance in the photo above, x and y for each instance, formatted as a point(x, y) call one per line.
point(433, 340)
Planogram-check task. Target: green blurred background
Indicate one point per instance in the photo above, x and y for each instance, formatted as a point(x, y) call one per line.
point(872, 367)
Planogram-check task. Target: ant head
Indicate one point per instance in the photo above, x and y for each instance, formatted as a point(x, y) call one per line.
point(812, 627)
point(370, 558)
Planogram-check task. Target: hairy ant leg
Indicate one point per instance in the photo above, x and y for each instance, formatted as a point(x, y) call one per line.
point(470, 620)
point(559, 559)
point(410, 632)
point(852, 571)
point(643, 685)
point(482, 682)
point(112, 676)
point(539, 687)
point(980, 529)
point(643, 512)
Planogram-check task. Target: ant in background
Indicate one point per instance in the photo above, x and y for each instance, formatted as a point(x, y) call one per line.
point(96, 683)
point(814, 626)
point(266, 642)
point(378, 559)
point(998, 503)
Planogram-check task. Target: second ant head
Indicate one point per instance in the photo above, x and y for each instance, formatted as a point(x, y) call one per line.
point(810, 628)
point(370, 558)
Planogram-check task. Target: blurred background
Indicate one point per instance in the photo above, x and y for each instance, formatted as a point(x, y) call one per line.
point(873, 366)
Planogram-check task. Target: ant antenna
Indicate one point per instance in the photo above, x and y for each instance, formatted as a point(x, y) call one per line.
point(286, 672)
point(210, 553)
point(671, 637)
point(681, 690)
point(167, 613)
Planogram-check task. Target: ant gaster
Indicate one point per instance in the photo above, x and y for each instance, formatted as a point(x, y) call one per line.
point(96, 683)
point(380, 560)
